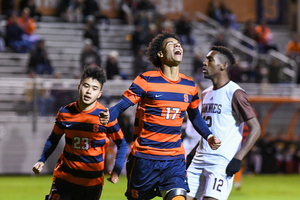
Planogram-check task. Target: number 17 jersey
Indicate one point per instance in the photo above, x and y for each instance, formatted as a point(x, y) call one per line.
point(162, 105)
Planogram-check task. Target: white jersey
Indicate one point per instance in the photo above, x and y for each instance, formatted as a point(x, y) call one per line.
point(217, 110)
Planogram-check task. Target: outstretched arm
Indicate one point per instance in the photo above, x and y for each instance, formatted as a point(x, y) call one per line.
point(111, 114)
point(49, 147)
point(201, 127)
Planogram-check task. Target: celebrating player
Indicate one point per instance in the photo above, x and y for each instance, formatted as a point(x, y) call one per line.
point(156, 165)
point(225, 106)
point(79, 173)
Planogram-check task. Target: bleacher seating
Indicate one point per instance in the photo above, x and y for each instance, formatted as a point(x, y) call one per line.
point(64, 43)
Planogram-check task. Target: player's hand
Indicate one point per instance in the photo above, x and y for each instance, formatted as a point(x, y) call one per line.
point(104, 116)
point(233, 167)
point(214, 142)
point(38, 167)
point(114, 177)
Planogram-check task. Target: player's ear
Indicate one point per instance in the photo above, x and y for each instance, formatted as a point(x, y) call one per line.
point(100, 93)
point(224, 66)
point(160, 54)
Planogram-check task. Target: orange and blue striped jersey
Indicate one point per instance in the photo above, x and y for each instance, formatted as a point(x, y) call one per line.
point(86, 142)
point(162, 105)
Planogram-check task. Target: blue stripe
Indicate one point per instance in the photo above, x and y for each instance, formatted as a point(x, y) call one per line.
point(97, 143)
point(158, 157)
point(162, 129)
point(156, 79)
point(153, 111)
point(81, 173)
point(86, 159)
point(195, 97)
point(77, 126)
point(69, 141)
point(69, 109)
point(137, 90)
point(113, 129)
point(184, 81)
point(168, 96)
point(159, 145)
point(182, 114)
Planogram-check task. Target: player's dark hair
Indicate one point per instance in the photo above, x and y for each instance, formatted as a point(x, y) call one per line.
point(226, 52)
point(156, 45)
point(94, 72)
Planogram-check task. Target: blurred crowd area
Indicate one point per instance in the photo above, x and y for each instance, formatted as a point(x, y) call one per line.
point(19, 35)
point(273, 154)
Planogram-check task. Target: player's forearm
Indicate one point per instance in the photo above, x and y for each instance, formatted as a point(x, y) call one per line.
point(121, 155)
point(198, 122)
point(50, 146)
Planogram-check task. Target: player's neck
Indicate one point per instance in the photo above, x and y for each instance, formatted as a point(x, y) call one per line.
point(85, 107)
point(219, 82)
point(171, 73)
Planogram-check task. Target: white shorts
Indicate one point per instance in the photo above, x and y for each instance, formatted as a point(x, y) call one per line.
point(209, 181)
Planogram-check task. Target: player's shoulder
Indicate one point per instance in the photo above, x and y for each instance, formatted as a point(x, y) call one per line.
point(69, 108)
point(186, 80)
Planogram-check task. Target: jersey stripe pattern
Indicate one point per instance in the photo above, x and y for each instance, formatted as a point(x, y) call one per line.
point(162, 105)
point(86, 141)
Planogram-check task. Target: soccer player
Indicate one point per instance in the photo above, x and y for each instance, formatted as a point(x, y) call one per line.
point(225, 107)
point(79, 172)
point(156, 165)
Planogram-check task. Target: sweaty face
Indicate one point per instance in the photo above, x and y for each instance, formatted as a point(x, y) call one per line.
point(172, 52)
point(212, 65)
point(89, 91)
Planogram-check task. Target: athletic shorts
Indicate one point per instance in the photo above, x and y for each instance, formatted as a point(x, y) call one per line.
point(209, 181)
point(63, 190)
point(147, 178)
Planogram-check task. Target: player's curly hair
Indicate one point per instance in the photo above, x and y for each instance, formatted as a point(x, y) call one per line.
point(95, 72)
point(227, 53)
point(156, 45)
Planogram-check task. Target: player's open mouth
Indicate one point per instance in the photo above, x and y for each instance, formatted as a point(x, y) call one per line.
point(87, 98)
point(178, 53)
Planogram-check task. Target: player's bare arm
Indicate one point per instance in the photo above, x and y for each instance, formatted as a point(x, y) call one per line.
point(254, 132)
point(38, 167)
point(213, 142)
point(104, 116)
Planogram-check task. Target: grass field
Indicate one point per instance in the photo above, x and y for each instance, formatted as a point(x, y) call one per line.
point(258, 187)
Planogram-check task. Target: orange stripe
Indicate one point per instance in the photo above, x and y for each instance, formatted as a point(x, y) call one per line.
point(176, 88)
point(153, 151)
point(79, 181)
point(116, 136)
point(89, 152)
point(162, 120)
point(57, 130)
point(160, 137)
point(87, 134)
point(78, 118)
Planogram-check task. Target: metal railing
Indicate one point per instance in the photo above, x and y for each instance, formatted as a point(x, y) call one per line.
point(235, 41)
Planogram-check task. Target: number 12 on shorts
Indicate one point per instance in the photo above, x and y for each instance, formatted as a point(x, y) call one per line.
point(218, 183)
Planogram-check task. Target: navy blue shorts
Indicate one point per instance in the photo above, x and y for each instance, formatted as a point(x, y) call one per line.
point(63, 190)
point(146, 178)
